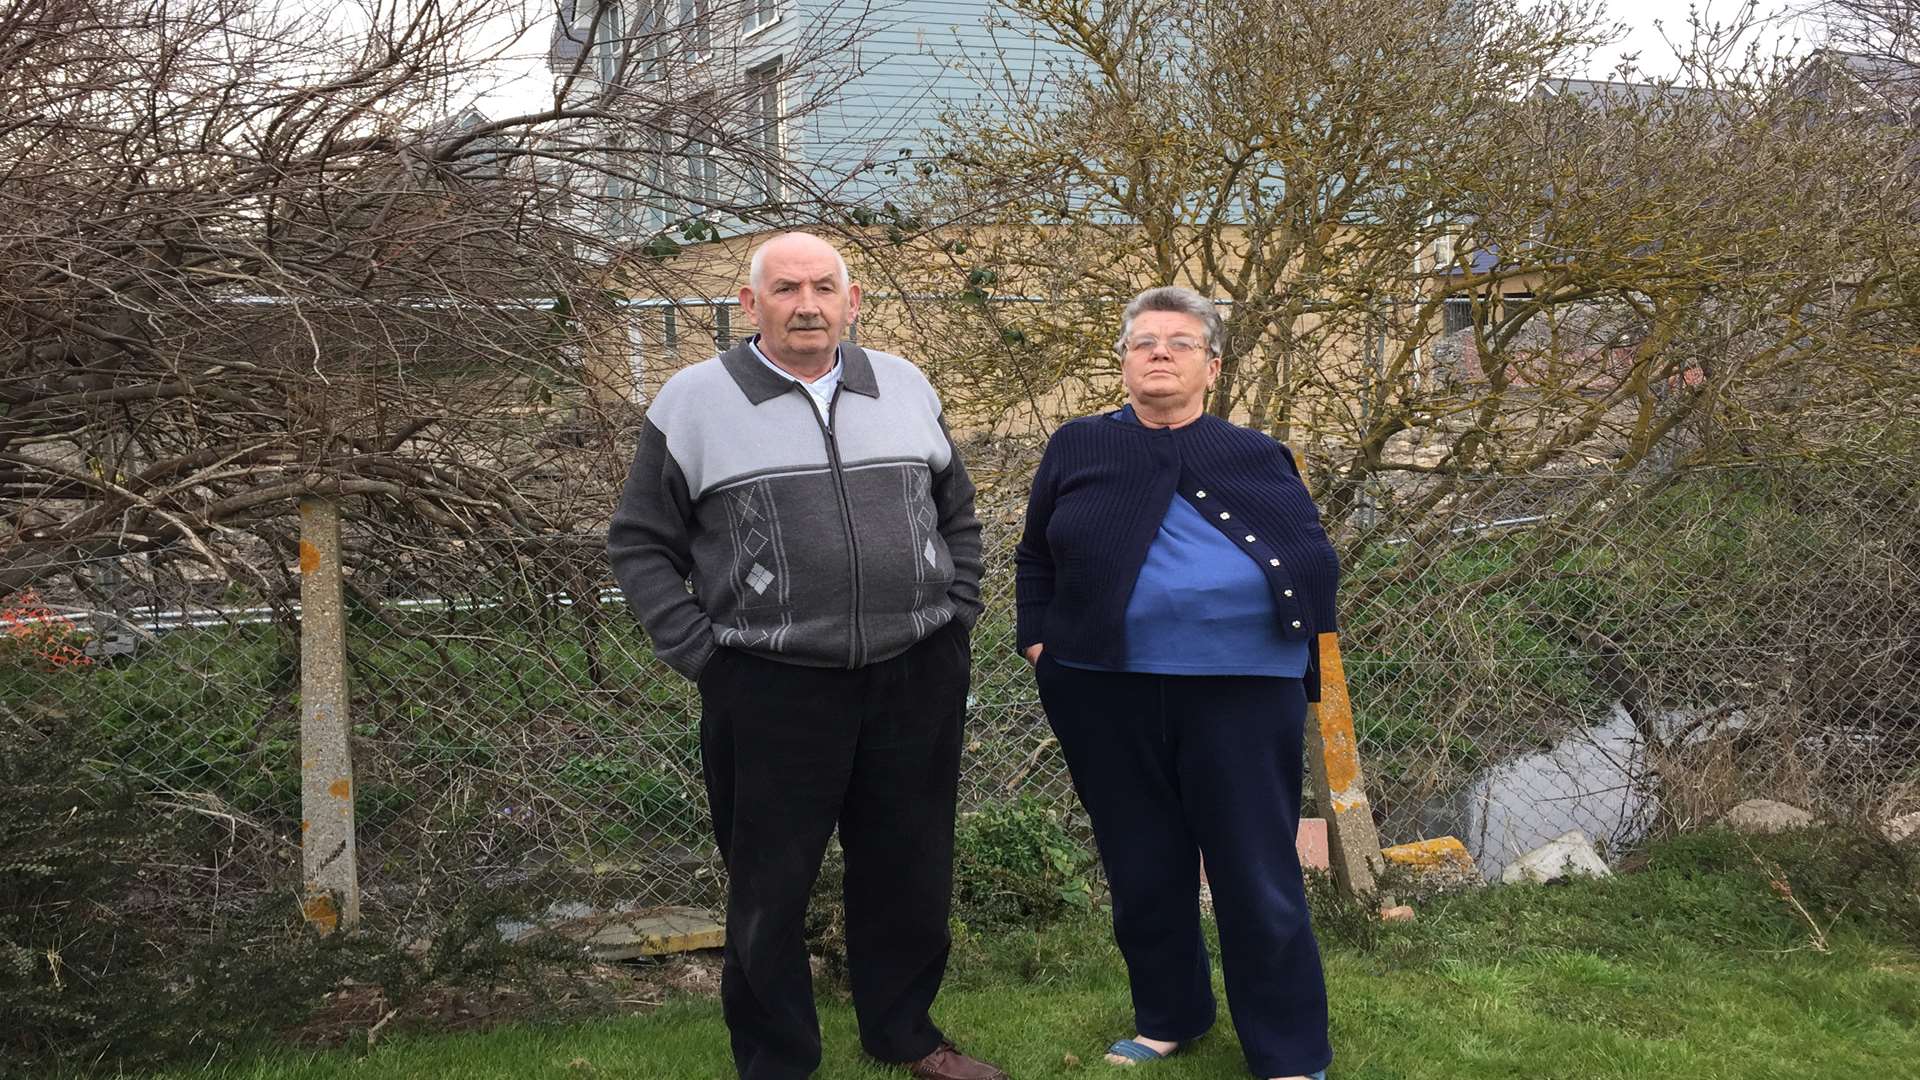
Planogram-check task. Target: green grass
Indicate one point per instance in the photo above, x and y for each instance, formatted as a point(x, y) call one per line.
point(1691, 968)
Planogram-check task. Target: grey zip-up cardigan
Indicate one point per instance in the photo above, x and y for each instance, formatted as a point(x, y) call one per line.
point(747, 522)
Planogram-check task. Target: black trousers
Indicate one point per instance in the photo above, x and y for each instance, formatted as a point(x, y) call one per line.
point(788, 753)
point(1173, 767)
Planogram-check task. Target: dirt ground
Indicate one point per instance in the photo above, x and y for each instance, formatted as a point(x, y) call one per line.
point(361, 1014)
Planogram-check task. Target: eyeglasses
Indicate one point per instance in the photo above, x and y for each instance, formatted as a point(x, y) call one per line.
point(1179, 346)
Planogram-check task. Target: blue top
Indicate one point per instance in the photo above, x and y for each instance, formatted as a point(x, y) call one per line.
point(1201, 607)
point(1099, 500)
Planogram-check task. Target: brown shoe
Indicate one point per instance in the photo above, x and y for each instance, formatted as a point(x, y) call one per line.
point(946, 1063)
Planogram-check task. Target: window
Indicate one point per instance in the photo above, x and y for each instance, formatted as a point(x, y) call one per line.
point(1513, 301)
point(651, 35)
point(610, 42)
point(761, 14)
point(658, 176)
point(765, 144)
point(1442, 252)
point(696, 23)
point(623, 203)
point(1459, 314)
point(703, 174)
point(638, 191)
point(615, 212)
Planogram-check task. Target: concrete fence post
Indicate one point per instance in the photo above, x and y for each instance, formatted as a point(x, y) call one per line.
point(1333, 764)
point(330, 871)
point(1333, 761)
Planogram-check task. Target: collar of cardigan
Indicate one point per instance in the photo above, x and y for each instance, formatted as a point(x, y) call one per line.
point(1126, 417)
point(761, 383)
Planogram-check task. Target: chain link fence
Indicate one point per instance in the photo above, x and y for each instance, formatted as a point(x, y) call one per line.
point(1575, 652)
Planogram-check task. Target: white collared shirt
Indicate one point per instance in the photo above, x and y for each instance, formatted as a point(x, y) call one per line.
point(820, 390)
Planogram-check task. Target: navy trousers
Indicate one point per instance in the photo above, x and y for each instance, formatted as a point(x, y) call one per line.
point(791, 752)
point(1173, 767)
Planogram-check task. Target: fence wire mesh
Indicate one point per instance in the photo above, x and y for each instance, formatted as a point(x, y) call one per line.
point(1573, 652)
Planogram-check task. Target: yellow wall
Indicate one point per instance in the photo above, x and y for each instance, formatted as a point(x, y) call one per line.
point(940, 333)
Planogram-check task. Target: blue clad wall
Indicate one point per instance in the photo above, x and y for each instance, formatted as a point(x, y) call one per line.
point(916, 61)
point(863, 115)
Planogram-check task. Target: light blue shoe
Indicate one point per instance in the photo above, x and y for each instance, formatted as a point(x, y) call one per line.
point(1136, 1052)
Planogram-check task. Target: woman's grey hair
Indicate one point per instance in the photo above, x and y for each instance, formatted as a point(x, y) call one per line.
point(1178, 299)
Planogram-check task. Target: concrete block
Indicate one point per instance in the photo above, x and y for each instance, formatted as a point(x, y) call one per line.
point(1567, 855)
point(1759, 816)
point(1902, 827)
point(1438, 864)
point(1311, 843)
point(624, 935)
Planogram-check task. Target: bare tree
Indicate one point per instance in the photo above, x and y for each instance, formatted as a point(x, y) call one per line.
point(1625, 268)
point(256, 252)
point(1888, 29)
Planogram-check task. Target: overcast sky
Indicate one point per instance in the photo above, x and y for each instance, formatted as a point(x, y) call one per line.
point(522, 79)
point(1646, 19)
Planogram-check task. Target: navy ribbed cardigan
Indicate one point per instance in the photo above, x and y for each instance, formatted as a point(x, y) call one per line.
point(1099, 496)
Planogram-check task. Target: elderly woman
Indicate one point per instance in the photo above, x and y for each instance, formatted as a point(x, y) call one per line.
point(1172, 576)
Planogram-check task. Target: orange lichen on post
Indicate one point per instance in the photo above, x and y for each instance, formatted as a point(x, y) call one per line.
point(321, 912)
point(341, 789)
point(1341, 751)
point(309, 557)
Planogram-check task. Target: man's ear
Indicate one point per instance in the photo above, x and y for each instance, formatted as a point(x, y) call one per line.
point(746, 304)
point(853, 302)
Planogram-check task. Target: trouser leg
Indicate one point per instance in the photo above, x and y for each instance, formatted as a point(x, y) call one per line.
point(896, 829)
point(777, 746)
point(1240, 771)
point(1113, 732)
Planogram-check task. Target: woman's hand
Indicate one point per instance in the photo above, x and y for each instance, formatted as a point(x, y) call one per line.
point(1033, 651)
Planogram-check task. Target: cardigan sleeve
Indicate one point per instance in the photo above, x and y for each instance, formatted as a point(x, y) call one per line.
point(650, 547)
point(1033, 558)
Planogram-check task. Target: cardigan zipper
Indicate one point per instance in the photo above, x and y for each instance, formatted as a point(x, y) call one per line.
point(856, 644)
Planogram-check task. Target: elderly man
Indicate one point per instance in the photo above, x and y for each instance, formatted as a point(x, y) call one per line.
point(797, 536)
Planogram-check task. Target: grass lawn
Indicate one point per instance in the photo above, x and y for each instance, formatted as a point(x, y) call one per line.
point(1691, 967)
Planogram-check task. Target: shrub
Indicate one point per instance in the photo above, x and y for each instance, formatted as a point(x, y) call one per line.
point(86, 976)
point(1015, 866)
point(109, 960)
point(35, 634)
point(1015, 862)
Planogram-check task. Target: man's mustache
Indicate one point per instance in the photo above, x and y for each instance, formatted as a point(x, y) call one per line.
point(806, 324)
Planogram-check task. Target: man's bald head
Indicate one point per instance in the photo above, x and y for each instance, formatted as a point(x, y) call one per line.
point(791, 243)
point(800, 297)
